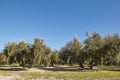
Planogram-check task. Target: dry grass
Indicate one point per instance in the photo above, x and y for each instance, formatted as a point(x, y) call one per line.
point(66, 73)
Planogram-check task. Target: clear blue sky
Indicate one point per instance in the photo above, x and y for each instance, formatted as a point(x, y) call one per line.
point(56, 21)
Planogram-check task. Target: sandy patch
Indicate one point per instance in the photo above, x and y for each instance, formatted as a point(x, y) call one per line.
point(35, 70)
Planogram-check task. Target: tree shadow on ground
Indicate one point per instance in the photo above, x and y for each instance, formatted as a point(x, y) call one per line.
point(114, 70)
point(74, 69)
point(55, 68)
point(12, 69)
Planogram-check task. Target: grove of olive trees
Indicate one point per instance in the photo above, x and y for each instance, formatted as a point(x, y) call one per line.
point(94, 50)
